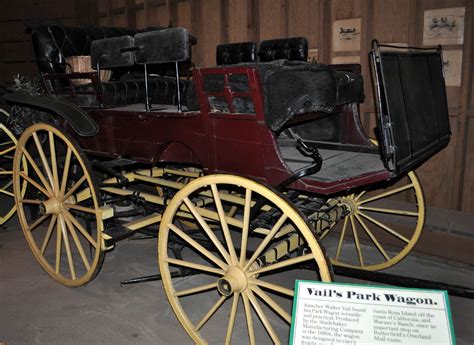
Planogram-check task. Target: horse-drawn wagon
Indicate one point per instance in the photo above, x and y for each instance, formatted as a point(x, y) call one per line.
point(244, 171)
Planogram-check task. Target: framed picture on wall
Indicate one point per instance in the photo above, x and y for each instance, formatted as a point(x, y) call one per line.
point(346, 35)
point(444, 26)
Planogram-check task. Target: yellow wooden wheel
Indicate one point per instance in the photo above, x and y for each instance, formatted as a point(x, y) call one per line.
point(382, 227)
point(245, 260)
point(7, 150)
point(59, 206)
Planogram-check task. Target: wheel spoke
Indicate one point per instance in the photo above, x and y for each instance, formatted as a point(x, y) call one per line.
point(248, 316)
point(80, 208)
point(67, 247)
point(81, 229)
point(54, 166)
point(35, 184)
point(356, 241)
point(361, 194)
point(10, 149)
point(385, 227)
point(207, 229)
point(37, 171)
point(37, 222)
point(263, 318)
point(78, 244)
point(6, 172)
point(386, 194)
point(272, 304)
point(372, 237)
point(195, 266)
point(199, 248)
point(389, 211)
point(43, 158)
point(224, 225)
point(272, 286)
point(210, 313)
point(282, 264)
point(3, 191)
point(48, 234)
point(245, 228)
point(266, 240)
point(29, 201)
point(195, 290)
point(58, 246)
point(75, 187)
point(341, 238)
point(233, 313)
point(67, 162)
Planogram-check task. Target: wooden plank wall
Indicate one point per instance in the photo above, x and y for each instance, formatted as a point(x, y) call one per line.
point(15, 48)
point(448, 178)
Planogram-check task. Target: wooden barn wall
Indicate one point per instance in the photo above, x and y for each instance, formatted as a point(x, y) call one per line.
point(448, 178)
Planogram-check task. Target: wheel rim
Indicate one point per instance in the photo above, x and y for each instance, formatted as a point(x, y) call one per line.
point(7, 149)
point(382, 227)
point(233, 277)
point(59, 205)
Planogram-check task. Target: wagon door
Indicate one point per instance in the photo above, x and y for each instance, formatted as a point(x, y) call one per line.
point(227, 98)
point(412, 114)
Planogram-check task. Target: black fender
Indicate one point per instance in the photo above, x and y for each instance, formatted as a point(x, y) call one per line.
point(75, 116)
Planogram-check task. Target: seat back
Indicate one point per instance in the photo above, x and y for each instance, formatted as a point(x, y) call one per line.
point(295, 49)
point(412, 110)
point(162, 46)
point(233, 53)
point(113, 52)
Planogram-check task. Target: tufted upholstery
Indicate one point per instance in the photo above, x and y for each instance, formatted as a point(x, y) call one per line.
point(229, 54)
point(162, 90)
point(54, 42)
point(294, 49)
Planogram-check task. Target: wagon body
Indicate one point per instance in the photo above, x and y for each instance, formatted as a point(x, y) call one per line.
point(225, 142)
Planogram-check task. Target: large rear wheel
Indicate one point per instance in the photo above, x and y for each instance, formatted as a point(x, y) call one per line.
point(59, 212)
point(382, 227)
point(245, 245)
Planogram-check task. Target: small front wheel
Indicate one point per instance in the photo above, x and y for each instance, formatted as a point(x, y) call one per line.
point(244, 242)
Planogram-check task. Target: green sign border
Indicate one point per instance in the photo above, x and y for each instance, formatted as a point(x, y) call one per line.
point(298, 281)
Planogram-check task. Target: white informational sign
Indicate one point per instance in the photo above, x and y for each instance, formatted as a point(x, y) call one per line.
point(331, 314)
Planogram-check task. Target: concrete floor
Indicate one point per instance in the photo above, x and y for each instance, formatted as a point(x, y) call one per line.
point(34, 309)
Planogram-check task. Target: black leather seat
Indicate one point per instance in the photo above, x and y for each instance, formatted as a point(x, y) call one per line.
point(233, 53)
point(293, 49)
point(53, 43)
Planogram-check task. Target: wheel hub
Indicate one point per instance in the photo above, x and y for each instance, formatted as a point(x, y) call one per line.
point(51, 206)
point(350, 203)
point(235, 280)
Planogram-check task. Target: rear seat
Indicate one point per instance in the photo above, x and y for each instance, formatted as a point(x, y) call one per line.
point(53, 43)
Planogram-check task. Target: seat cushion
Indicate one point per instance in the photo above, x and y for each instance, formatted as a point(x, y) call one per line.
point(162, 90)
point(233, 53)
point(294, 49)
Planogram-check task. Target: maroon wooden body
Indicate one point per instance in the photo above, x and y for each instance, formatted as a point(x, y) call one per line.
point(220, 142)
